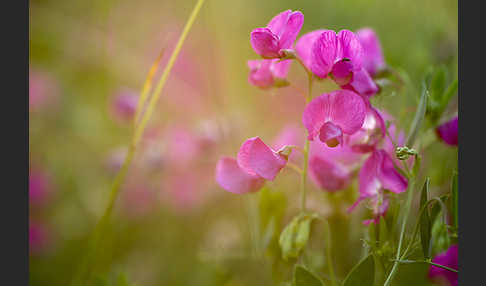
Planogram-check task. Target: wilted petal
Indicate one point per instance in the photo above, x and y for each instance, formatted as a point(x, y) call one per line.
point(448, 258)
point(303, 47)
point(291, 30)
point(265, 43)
point(324, 53)
point(343, 108)
point(235, 180)
point(329, 175)
point(373, 59)
point(256, 158)
point(448, 131)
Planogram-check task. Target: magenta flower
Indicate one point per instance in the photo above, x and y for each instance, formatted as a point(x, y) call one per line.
point(279, 34)
point(255, 162)
point(448, 258)
point(303, 47)
point(370, 134)
point(378, 174)
point(124, 105)
point(373, 60)
point(331, 168)
point(340, 54)
point(333, 114)
point(362, 83)
point(448, 131)
point(266, 73)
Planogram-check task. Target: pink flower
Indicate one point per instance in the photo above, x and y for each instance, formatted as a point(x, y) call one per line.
point(39, 187)
point(379, 209)
point(378, 174)
point(449, 259)
point(255, 162)
point(362, 83)
point(331, 115)
point(124, 104)
point(279, 34)
point(265, 73)
point(370, 134)
point(340, 54)
point(303, 47)
point(373, 60)
point(448, 131)
point(331, 168)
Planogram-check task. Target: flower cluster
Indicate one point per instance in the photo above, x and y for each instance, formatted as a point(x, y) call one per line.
point(343, 127)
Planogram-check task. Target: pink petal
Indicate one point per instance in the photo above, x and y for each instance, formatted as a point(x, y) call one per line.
point(280, 69)
point(343, 155)
point(260, 74)
point(265, 43)
point(324, 53)
point(448, 258)
point(303, 47)
point(343, 108)
point(390, 178)
point(373, 59)
point(256, 158)
point(369, 182)
point(342, 72)
point(362, 83)
point(349, 47)
point(448, 131)
point(235, 180)
point(328, 174)
point(290, 135)
point(331, 134)
point(278, 23)
point(291, 30)
point(370, 134)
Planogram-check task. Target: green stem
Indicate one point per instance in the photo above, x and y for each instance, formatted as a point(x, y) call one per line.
point(402, 232)
point(329, 255)
point(83, 274)
point(428, 262)
point(303, 181)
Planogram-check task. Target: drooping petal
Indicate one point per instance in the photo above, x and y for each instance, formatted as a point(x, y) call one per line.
point(373, 59)
point(265, 43)
point(391, 179)
point(256, 158)
point(329, 175)
point(303, 47)
point(278, 23)
point(448, 131)
point(291, 30)
point(280, 69)
point(362, 83)
point(343, 108)
point(349, 47)
point(235, 180)
point(324, 53)
point(260, 74)
point(369, 182)
point(448, 258)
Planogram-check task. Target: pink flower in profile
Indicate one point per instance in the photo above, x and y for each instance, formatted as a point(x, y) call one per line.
point(376, 175)
point(255, 162)
point(124, 105)
point(266, 73)
point(448, 258)
point(279, 34)
point(340, 54)
point(373, 60)
point(331, 168)
point(448, 131)
point(333, 114)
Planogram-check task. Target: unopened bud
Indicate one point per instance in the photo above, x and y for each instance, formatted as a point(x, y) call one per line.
point(403, 153)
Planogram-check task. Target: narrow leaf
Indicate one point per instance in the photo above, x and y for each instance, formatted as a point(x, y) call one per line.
point(362, 274)
point(425, 224)
point(303, 277)
point(419, 117)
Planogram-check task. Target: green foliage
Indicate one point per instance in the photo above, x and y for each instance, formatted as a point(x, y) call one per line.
point(362, 274)
point(419, 117)
point(304, 277)
point(425, 223)
point(295, 235)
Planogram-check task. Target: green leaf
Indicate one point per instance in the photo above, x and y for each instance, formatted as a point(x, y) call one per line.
point(448, 94)
point(362, 274)
point(419, 117)
point(296, 235)
point(425, 223)
point(303, 277)
point(455, 200)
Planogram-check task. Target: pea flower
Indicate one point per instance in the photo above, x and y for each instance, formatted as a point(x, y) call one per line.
point(376, 175)
point(280, 33)
point(448, 131)
point(339, 54)
point(268, 73)
point(255, 162)
point(362, 83)
point(373, 60)
point(449, 259)
point(370, 134)
point(333, 114)
point(303, 47)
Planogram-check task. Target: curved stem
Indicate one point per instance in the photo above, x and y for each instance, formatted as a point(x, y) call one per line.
point(83, 274)
point(303, 181)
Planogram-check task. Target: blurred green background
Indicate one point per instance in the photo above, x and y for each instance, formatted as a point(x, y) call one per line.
point(186, 230)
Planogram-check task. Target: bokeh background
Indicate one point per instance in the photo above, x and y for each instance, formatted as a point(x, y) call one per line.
point(172, 224)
